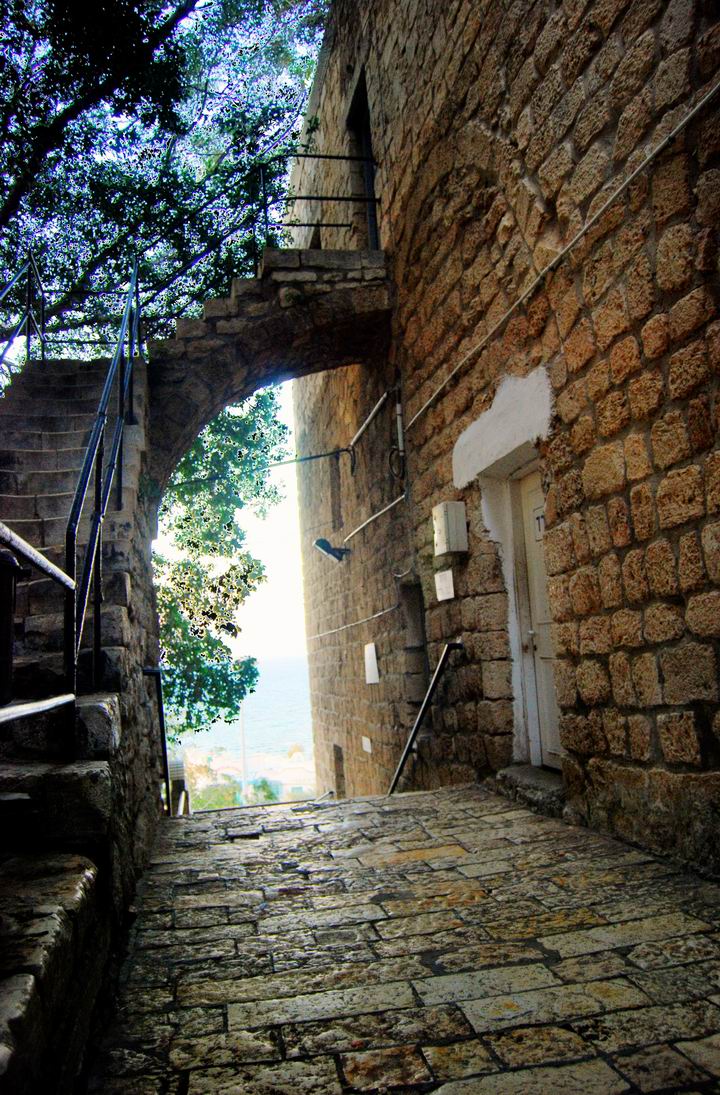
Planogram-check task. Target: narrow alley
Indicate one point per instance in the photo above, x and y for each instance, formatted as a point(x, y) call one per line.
point(444, 941)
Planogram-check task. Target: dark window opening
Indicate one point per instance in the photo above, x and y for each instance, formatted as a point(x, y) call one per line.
point(335, 493)
point(416, 668)
point(339, 765)
point(315, 241)
point(363, 175)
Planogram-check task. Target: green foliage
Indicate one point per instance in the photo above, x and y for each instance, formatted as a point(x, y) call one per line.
point(201, 591)
point(228, 792)
point(218, 796)
point(204, 682)
point(262, 791)
point(139, 131)
point(224, 470)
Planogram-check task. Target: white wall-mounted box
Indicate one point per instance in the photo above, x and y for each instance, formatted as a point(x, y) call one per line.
point(450, 527)
point(366, 744)
point(444, 585)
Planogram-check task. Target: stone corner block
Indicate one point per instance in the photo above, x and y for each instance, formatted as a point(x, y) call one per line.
point(332, 260)
point(190, 328)
point(99, 724)
point(276, 258)
point(218, 308)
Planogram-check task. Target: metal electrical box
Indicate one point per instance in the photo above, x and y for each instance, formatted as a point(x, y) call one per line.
point(450, 527)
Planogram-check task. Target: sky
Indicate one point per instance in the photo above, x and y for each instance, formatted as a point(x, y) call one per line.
point(272, 622)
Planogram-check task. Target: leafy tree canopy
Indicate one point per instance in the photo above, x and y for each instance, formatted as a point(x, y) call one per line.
point(139, 131)
point(211, 573)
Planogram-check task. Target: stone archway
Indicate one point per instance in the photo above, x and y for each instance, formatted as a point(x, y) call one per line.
point(307, 312)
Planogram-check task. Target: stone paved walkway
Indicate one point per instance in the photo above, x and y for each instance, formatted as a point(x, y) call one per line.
point(445, 941)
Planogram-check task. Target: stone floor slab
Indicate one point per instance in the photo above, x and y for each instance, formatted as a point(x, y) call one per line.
point(431, 942)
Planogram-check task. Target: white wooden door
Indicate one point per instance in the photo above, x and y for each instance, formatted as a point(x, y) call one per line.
point(538, 638)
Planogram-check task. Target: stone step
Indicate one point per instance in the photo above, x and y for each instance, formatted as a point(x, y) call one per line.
point(76, 401)
point(72, 801)
point(32, 379)
point(90, 731)
point(37, 633)
point(42, 596)
point(37, 460)
point(50, 440)
point(29, 507)
point(56, 944)
point(51, 482)
point(67, 366)
point(47, 532)
point(47, 405)
point(46, 423)
point(117, 554)
point(540, 789)
point(39, 675)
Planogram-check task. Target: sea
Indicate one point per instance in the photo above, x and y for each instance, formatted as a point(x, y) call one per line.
point(277, 724)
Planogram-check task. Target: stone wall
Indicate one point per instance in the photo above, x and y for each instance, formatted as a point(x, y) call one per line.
point(501, 131)
point(359, 728)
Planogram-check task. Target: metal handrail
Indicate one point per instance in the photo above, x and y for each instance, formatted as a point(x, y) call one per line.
point(77, 589)
point(368, 198)
point(439, 670)
point(120, 369)
point(29, 321)
point(34, 557)
point(156, 672)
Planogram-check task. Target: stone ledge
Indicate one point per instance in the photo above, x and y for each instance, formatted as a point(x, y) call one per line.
point(538, 788)
point(99, 725)
point(53, 950)
point(71, 805)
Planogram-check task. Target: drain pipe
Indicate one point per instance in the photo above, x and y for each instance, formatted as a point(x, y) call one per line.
point(155, 672)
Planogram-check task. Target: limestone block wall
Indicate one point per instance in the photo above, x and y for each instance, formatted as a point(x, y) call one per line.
point(359, 728)
point(135, 762)
point(502, 131)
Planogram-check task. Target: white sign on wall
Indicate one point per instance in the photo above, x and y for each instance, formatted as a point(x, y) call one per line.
point(366, 744)
point(372, 675)
point(444, 585)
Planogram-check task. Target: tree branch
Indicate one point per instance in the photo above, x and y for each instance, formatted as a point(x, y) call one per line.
point(46, 137)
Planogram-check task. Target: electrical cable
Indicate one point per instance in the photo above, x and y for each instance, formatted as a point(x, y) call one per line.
point(374, 517)
point(355, 623)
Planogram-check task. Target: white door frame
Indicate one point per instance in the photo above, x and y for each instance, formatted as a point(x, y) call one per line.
point(495, 450)
point(521, 593)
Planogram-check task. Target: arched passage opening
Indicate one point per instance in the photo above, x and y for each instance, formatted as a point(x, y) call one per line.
point(307, 312)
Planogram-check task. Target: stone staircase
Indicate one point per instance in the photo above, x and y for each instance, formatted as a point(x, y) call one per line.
point(45, 419)
point(46, 415)
point(60, 779)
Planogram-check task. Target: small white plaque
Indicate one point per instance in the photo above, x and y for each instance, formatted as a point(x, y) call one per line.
point(372, 676)
point(367, 745)
point(444, 585)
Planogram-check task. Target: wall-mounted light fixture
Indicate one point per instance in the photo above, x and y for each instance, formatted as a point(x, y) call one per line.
point(336, 553)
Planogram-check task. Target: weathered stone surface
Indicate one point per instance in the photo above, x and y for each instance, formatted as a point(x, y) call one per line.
point(690, 673)
point(53, 948)
point(535, 963)
point(593, 1077)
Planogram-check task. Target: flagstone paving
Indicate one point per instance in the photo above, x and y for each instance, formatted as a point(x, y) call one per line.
point(447, 941)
